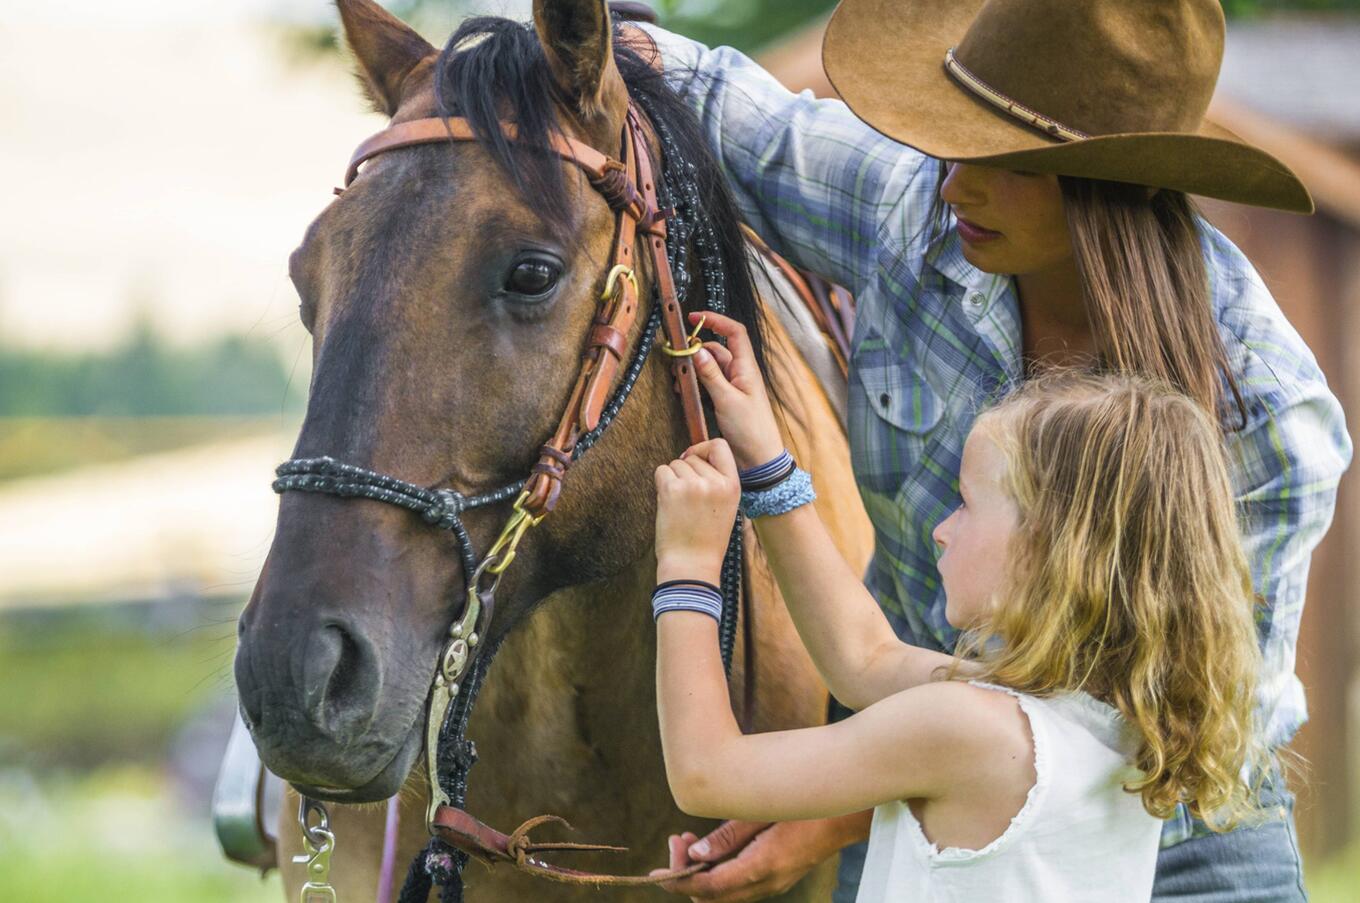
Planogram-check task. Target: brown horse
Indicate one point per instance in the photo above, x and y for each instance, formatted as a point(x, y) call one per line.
point(448, 292)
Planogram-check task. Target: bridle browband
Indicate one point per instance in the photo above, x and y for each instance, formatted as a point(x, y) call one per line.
point(630, 187)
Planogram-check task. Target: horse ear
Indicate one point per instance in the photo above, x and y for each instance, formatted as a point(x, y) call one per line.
point(386, 47)
point(577, 37)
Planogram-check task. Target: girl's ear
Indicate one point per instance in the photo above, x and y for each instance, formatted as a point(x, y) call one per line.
point(386, 48)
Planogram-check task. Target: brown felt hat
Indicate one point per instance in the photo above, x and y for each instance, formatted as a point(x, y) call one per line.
point(1103, 89)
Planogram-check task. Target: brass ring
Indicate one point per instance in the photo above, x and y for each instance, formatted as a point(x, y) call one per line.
point(692, 345)
point(689, 351)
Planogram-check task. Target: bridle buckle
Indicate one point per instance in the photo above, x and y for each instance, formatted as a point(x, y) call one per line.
point(611, 282)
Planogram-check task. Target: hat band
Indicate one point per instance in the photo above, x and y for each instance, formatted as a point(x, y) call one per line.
point(1013, 108)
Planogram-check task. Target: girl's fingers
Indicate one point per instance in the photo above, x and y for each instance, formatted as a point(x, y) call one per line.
point(683, 469)
point(713, 459)
point(722, 355)
point(732, 330)
point(714, 380)
point(720, 456)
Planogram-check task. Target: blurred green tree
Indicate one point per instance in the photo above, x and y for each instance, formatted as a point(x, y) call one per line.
point(144, 375)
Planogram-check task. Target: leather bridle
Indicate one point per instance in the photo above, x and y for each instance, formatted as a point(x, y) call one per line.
point(629, 186)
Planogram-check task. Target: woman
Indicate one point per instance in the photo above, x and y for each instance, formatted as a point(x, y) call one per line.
point(1059, 235)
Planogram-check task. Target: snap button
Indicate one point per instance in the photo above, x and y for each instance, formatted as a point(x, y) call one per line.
point(976, 299)
point(884, 399)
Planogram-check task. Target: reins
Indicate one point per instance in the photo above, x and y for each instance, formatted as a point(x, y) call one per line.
point(630, 186)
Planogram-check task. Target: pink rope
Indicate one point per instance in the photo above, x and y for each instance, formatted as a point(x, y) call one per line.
point(389, 853)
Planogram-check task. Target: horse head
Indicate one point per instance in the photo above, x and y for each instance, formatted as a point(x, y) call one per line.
point(448, 292)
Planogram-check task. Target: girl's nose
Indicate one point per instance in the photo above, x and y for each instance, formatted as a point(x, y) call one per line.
point(941, 532)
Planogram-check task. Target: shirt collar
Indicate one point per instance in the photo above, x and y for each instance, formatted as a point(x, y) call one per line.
point(945, 256)
point(977, 290)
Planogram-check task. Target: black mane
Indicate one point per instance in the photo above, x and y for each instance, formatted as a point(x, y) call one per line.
point(493, 67)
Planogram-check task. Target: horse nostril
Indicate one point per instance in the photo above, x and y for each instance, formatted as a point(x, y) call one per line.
point(340, 685)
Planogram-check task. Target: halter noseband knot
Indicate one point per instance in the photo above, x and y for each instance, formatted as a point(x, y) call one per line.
point(443, 511)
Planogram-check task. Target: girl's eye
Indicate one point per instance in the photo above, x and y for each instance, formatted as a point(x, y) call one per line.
point(533, 276)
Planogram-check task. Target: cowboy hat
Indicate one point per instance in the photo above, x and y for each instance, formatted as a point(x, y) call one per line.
point(1102, 89)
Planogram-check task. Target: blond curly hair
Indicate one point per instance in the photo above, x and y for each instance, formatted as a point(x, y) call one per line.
point(1128, 581)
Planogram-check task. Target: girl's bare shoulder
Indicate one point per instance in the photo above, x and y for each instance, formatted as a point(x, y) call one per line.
point(983, 726)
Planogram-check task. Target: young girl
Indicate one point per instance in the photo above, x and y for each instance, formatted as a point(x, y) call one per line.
point(1110, 651)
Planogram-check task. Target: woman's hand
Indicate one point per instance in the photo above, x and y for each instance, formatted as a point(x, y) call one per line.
point(753, 861)
point(696, 497)
point(734, 383)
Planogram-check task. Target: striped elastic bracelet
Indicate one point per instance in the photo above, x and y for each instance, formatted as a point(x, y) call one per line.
point(771, 473)
point(687, 595)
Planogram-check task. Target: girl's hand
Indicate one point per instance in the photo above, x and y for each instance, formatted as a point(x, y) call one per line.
point(734, 383)
point(697, 497)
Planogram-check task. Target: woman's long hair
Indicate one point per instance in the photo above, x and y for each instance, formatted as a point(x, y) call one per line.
point(1147, 290)
point(1128, 580)
point(1145, 287)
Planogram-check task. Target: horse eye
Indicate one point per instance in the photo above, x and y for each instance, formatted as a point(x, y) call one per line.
point(533, 276)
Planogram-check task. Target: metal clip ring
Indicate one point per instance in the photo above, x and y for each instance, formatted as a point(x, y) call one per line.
point(692, 344)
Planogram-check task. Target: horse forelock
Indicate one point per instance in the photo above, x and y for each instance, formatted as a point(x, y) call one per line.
point(493, 68)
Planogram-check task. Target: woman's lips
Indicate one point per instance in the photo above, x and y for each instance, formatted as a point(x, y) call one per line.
point(973, 233)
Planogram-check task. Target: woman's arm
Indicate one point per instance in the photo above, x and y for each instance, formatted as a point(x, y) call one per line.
point(809, 176)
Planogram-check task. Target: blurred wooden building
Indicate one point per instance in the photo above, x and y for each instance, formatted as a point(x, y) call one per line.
point(1288, 85)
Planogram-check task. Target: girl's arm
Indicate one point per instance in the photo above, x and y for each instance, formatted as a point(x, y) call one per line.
point(859, 657)
point(854, 648)
point(912, 744)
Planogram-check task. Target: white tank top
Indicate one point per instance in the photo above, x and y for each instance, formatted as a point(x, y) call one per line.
point(1079, 836)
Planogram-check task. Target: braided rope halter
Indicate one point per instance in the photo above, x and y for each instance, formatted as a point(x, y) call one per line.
point(629, 187)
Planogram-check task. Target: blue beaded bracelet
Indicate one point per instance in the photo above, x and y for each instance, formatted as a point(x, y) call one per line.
point(793, 492)
point(685, 595)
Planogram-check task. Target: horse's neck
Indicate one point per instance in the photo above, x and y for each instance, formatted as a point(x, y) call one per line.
point(566, 722)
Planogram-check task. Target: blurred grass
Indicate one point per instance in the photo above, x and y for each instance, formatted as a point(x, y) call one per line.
point(34, 446)
point(92, 687)
point(1338, 879)
point(114, 835)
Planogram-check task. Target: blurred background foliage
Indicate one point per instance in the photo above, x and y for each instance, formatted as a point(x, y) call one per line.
point(747, 25)
point(146, 375)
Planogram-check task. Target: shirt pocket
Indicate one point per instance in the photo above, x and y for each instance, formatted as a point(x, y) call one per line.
point(894, 386)
point(894, 412)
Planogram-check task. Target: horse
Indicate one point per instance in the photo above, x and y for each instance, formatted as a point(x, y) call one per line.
point(448, 291)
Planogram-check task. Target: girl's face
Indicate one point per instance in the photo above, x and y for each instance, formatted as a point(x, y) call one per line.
point(975, 540)
point(1010, 222)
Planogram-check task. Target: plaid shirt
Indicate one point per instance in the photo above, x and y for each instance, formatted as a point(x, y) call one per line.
point(935, 338)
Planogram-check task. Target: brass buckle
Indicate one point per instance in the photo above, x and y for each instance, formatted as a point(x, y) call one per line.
point(611, 282)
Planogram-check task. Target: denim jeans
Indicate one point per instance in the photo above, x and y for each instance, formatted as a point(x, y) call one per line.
point(1258, 864)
